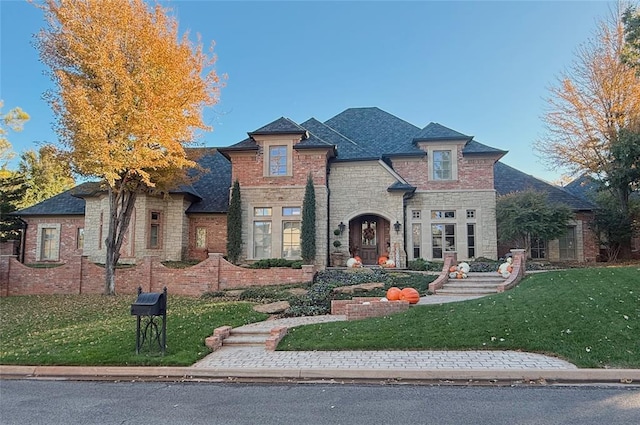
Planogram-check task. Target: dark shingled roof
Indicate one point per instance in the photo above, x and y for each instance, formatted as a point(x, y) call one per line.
point(375, 131)
point(345, 148)
point(508, 180)
point(212, 182)
point(473, 148)
point(65, 203)
point(280, 126)
point(436, 132)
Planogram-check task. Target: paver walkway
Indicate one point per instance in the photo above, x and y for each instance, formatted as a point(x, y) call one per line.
point(258, 358)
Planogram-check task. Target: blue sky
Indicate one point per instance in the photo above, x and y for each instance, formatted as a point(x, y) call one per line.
point(480, 68)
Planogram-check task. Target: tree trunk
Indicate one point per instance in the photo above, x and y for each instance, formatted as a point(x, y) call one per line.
point(122, 199)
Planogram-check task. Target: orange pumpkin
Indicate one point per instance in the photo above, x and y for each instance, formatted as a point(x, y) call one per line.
point(510, 269)
point(453, 269)
point(393, 294)
point(382, 260)
point(358, 259)
point(410, 294)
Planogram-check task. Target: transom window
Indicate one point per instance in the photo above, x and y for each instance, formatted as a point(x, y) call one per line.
point(415, 214)
point(262, 212)
point(442, 167)
point(290, 211)
point(443, 214)
point(277, 160)
point(471, 213)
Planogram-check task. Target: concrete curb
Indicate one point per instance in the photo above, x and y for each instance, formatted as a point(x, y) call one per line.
point(416, 376)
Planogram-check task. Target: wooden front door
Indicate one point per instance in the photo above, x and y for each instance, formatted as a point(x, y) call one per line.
point(368, 238)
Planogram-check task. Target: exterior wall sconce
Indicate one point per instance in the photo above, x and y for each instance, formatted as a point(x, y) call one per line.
point(396, 226)
point(341, 227)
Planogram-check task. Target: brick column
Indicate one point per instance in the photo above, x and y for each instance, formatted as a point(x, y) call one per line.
point(5, 260)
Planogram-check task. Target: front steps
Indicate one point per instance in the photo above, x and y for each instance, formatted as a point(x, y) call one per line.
point(475, 284)
point(246, 338)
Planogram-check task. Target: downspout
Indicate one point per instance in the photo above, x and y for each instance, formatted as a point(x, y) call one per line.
point(23, 238)
point(328, 235)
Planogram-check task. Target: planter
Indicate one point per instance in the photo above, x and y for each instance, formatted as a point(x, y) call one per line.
point(338, 259)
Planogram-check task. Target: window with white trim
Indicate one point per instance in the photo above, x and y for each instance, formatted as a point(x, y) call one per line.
point(48, 243)
point(277, 160)
point(442, 165)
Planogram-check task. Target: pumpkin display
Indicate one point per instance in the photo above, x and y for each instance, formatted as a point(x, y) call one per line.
point(453, 269)
point(382, 260)
point(393, 294)
point(410, 294)
point(358, 259)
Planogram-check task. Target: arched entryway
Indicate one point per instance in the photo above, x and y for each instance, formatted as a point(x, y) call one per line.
point(369, 237)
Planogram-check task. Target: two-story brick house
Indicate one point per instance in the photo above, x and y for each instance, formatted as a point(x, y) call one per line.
point(382, 186)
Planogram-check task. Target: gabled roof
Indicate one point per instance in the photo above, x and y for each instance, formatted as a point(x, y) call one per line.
point(509, 180)
point(280, 126)
point(69, 202)
point(438, 132)
point(472, 148)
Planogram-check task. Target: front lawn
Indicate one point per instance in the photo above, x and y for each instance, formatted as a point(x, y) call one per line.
point(99, 330)
point(590, 317)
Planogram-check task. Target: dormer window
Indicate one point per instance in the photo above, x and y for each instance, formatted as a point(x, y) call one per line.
point(277, 160)
point(442, 166)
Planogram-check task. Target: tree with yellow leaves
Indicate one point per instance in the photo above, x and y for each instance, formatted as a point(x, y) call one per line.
point(130, 94)
point(13, 120)
point(593, 116)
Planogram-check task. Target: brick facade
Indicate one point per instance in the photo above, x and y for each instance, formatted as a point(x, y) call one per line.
point(67, 237)
point(215, 226)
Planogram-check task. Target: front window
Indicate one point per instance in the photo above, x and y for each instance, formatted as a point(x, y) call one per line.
point(277, 160)
point(538, 248)
point(567, 244)
point(201, 237)
point(262, 239)
point(416, 236)
point(291, 239)
point(443, 237)
point(443, 214)
point(49, 242)
point(80, 238)
point(471, 240)
point(155, 230)
point(442, 165)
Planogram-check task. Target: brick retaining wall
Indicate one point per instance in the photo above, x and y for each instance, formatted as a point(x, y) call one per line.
point(366, 307)
point(80, 276)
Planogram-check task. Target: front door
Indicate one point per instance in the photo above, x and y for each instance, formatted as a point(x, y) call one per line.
point(369, 236)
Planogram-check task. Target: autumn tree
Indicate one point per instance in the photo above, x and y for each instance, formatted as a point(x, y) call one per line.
point(46, 173)
point(594, 109)
point(129, 98)
point(13, 120)
point(522, 216)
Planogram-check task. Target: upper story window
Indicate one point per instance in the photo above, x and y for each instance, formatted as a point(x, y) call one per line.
point(277, 160)
point(442, 166)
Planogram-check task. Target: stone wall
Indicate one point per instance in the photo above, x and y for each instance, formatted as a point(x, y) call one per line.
point(80, 276)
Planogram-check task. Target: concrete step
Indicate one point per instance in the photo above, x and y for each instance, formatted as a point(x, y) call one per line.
point(246, 337)
point(465, 292)
point(463, 284)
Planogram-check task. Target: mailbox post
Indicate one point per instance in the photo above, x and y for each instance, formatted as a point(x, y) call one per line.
point(151, 308)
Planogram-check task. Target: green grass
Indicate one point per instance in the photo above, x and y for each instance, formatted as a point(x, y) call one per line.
point(99, 330)
point(590, 317)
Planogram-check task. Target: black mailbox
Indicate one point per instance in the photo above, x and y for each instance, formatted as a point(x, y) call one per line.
point(151, 311)
point(149, 304)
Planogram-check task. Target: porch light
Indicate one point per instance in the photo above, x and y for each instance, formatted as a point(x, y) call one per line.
point(396, 226)
point(341, 227)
